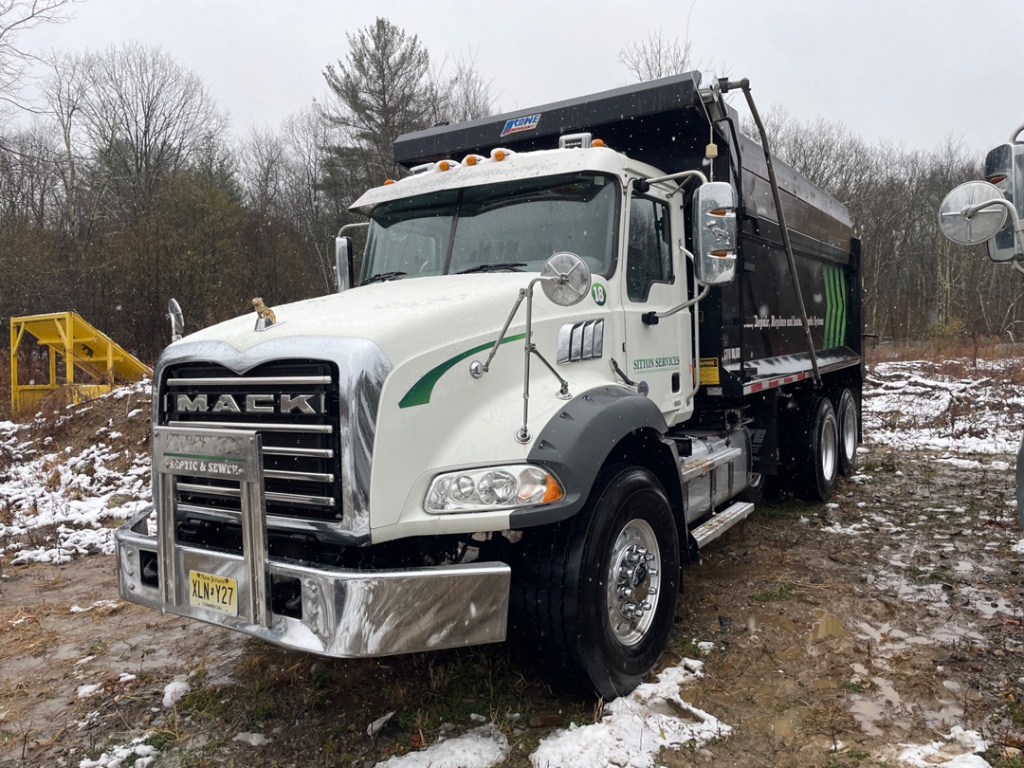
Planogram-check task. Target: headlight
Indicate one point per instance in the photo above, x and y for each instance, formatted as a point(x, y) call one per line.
point(508, 487)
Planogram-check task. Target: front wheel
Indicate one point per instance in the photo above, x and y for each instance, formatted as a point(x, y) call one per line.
point(596, 594)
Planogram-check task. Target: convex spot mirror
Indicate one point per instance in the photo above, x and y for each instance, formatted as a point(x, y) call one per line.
point(972, 213)
point(714, 217)
point(565, 279)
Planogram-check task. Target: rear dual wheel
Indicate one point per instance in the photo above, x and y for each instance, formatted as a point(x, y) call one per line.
point(848, 424)
point(814, 462)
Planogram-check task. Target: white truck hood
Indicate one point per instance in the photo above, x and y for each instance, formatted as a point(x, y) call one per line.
point(402, 317)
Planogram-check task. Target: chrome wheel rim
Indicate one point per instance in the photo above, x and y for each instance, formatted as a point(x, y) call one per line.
point(633, 581)
point(829, 448)
point(848, 431)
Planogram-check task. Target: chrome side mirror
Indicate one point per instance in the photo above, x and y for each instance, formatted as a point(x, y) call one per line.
point(714, 226)
point(343, 263)
point(1004, 168)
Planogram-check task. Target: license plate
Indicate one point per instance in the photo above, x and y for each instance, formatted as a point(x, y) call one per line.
point(215, 593)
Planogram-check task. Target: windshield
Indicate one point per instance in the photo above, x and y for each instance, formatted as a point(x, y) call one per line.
point(512, 226)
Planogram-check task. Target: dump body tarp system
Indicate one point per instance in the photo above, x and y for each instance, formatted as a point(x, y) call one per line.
point(68, 338)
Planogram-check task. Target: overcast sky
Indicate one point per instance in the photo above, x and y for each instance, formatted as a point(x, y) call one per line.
point(913, 72)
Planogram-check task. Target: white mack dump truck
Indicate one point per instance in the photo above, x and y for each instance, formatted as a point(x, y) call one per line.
point(443, 456)
point(992, 211)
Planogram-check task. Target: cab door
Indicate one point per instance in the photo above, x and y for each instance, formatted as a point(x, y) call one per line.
point(658, 350)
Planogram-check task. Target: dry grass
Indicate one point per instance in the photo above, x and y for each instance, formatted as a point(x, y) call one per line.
point(85, 424)
point(25, 633)
point(5, 385)
point(964, 350)
point(328, 701)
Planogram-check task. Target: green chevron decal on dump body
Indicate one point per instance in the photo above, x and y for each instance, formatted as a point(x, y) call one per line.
point(835, 306)
point(419, 393)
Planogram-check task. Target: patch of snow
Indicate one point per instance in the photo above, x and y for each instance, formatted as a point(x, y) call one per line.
point(481, 747)
point(378, 725)
point(252, 739)
point(97, 604)
point(118, 757)
point(635, 727)
point(961, 750)
point(174, 692)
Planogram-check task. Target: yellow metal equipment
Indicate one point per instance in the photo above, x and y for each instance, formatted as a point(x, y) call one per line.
point(80, 346)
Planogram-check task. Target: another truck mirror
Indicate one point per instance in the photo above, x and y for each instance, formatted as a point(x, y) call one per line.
point(1004, 167)
point(177, 318)
point(714, 225)
point(566, 279)
point(343, 263)
point(973, 213)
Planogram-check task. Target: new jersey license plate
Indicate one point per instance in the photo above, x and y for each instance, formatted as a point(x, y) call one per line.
point(215, 593)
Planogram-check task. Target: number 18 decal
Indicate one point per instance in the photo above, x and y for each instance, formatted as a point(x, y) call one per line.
point(599, 294)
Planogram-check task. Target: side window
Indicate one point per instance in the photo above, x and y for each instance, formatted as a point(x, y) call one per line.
point(649, 256)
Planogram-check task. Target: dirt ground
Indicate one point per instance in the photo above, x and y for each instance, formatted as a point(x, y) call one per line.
point(840, 631)
point(903, 625)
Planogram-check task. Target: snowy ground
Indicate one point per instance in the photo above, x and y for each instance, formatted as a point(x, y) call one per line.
point(64, 503)
point(56, 506)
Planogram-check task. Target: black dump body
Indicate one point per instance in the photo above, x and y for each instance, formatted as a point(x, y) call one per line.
point(752, 338)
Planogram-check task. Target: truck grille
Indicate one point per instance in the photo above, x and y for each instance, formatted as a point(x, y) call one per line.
point(293, 405)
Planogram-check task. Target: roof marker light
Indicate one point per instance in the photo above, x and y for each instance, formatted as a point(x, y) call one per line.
point(473, 159)
point(597, 143)
point(447, 165)
point(388, 181)
point(500, 154)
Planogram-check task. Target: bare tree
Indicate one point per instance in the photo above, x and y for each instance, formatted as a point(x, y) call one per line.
point(657, 57)
point(261, 161)
point(17, 16)
point(315, 213)
point(29, 185)
point(66, 90)
point(262, 166)
point(460, 94)
point(145, 116)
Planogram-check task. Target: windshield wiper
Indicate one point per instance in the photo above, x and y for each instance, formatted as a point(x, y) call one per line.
point(382, 276)
point(506, 267)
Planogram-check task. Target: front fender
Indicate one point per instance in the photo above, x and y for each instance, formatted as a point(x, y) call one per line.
point(576, 441)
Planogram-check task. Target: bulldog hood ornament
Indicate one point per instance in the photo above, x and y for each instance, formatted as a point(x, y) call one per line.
point(265, 316)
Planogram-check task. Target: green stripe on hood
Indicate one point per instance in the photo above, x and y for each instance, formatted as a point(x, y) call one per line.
point(419, 393)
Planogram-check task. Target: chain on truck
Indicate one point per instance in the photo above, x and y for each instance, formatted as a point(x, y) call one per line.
point(586, 339)
point(992, 211)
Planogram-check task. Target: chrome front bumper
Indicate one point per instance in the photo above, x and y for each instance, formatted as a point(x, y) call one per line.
point(344, 613)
